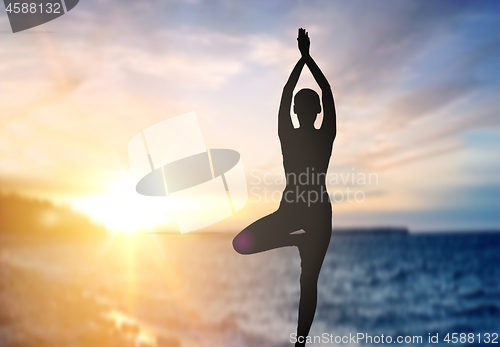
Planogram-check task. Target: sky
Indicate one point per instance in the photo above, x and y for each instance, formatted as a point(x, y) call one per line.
point(415, 83)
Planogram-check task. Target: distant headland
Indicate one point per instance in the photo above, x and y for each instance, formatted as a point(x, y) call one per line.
point(371, 230)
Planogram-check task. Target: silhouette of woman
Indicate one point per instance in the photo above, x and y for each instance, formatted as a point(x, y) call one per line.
point(305, 203)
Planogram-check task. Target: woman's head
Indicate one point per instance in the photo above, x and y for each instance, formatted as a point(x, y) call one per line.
point(307, 106)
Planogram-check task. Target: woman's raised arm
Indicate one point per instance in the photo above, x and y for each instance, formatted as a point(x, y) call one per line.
point(329, 115)
point(285, 124)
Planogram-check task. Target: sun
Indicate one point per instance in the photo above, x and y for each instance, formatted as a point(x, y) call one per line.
point(121, 209)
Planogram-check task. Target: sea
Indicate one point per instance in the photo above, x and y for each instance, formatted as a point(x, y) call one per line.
point(195, 290)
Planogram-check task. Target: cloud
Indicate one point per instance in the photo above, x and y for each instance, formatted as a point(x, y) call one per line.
point(185, 70)
point(410, 105)
point(413, 156)
point(420, 82)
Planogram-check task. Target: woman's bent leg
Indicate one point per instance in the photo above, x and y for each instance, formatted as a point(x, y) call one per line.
point(269, 232)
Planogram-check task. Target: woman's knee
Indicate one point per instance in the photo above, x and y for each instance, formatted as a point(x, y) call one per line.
point(244, 242)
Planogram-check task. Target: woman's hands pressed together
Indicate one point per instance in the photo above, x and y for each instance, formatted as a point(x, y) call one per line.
point(304, 42)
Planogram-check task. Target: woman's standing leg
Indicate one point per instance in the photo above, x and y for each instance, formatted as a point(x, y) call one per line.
point(312, 253)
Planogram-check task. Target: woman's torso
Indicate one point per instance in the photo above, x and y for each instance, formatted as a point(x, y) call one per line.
point(306, 156)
